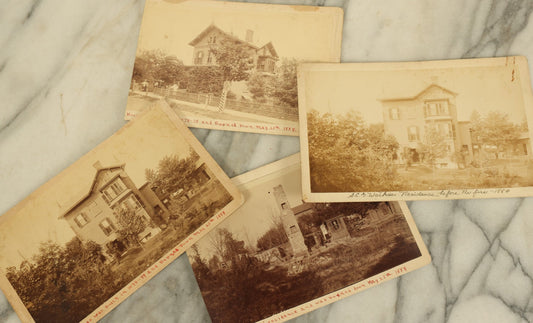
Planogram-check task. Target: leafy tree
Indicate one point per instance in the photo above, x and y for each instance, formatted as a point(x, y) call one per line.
point(261, 86)
point(157, 66)
point(272, 238)
point(234, 59)
point(204, 79)
point(286, 89)
point(345, 154)
point(225, 244)
point(434, 145)
point(494, 128)
point(130, 226)
point(235, 62)
point(63, 284)
point(173, 173)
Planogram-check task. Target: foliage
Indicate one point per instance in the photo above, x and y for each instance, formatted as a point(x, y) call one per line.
point(433, 145)
point(204, 79)
point(234, 60)
point(130, 225)
point(225, 244)
point(261, 86)
point(285, 87)
point(64, 284)
point(272, 238)
point(345, 154)
point(494, 128)
point(173, 173)
point(155, 65)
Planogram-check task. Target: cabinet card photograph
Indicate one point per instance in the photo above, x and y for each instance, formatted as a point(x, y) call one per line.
point(278, 257)
point(416, 130)
point(227, 65)
point(87, 239)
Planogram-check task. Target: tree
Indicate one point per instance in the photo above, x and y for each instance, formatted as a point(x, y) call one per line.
point(155, 65)
point(261, 86)
point(130, 225)
point(235, 62)
point(64, 283)
point(286, 85)
point(494, 129)
point(225, 244)
point(204, 79)
point(346, 155)
point(173, 173)
point(272, 238)
point(434, 145)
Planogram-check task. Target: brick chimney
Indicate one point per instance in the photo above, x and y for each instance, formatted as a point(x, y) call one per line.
point(97, 165)
point(249, 36)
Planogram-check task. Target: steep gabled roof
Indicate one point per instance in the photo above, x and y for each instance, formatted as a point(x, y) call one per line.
point(433, 85)
point(212, 27)
point(270, 47)
point(86, 195)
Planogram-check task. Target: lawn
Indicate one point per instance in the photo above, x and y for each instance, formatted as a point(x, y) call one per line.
point(498, 173)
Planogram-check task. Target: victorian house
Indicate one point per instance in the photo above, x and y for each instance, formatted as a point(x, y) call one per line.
point(431, 112)
point(93, 217)
point(264, 57)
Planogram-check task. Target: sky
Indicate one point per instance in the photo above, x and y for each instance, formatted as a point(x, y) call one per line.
point(140, 145)
point(253, 219)
point(306, 35)
point(483, 89)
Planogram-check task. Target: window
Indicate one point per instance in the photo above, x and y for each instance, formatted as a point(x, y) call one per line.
point(394, 114)
point(284, 206)
point(199, 57)
point(107, 227)
point(117, 187)
point(443, 109)
point(81, 219)
point(131, 203)
point(209, 58)
point(437, 109)
point(445, 129)
point(293, 229)
point(335, 224)
point(412, 133)
point(431, 109)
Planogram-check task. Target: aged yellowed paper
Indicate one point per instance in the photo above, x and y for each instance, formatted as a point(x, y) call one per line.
point(230, 66)
point(87, 239)
point(416, 130)
point(278, 257)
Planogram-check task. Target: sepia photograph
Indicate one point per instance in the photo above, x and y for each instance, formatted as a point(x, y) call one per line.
point(278, 257)
point(230, 66)
point(88, 238)
point(417, 130)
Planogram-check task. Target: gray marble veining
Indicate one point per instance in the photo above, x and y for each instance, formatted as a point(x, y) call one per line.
point(64, 75)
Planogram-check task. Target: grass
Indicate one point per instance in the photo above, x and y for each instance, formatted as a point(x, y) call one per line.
point(498, 173)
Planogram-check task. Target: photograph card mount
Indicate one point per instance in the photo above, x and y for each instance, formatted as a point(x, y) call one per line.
point(451, 129)
point(228, 65)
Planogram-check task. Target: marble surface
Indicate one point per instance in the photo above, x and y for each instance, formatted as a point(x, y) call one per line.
point(64, 75)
